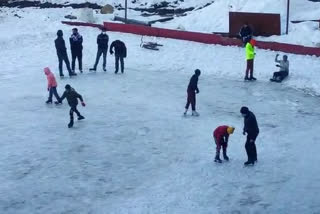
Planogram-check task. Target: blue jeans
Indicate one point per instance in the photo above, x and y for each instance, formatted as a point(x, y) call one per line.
point(53, 91)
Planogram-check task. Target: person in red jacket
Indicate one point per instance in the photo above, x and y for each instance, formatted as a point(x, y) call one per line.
point(221, 137)
point(52, 85)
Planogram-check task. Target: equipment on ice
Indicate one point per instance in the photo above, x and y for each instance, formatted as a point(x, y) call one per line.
point(150, 45)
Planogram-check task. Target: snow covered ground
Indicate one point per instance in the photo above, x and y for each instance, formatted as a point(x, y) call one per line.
point(135, 153)
point(214, 18)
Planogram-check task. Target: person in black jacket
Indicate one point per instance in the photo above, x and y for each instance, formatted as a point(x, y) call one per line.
point(252, 130)
point(120, 54)
point(76, 48)
point(62, 53)
point(245, 33)
point(102, 41)
point(72, 98)
point(192, 90)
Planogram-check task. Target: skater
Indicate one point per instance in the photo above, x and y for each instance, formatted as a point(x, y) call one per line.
point(52, 85)
point(250, 54)
point(62, 54)
point(252, 130)
point(221, 137)
point(120, 54)
point(284, 69)
point(192, 90)
point(72, 98)
point(245, 33)
point(102, 41)
point(76, 49)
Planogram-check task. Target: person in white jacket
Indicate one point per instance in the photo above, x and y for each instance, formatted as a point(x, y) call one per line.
point(284, 69)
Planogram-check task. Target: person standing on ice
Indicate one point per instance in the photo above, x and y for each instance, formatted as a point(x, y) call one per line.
point(192, 90)
point(245, 33)
point(221, 137)
point(102, 41)
point(62, 54)
point(76, 49)
point(284, 69)
point(52, 85)
point(250, 54)
point(120, 53)
point(72, 98)
point(252, 130)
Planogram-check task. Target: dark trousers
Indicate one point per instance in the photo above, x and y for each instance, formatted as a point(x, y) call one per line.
point(251, 148)
point(117, 59)
point(191, 100)
point(220, 144)
point(249, 69)
point(61, 58)
point(76, 55)
point(99, 53)
point(53, 91)
point(279, 76)
point(72, 110)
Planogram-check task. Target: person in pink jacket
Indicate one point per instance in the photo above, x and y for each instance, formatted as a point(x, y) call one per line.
point(52, 85)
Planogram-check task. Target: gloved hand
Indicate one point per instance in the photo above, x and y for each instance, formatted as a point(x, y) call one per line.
point(197, 91)
point(111, 52)
point(244, 133)
point(278, 65)
point(277, 54)
point(48, 89)
point(83, 104)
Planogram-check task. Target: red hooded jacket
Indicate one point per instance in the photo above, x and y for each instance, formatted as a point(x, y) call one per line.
point(220, 132)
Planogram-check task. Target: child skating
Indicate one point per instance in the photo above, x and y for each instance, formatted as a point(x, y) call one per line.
point(221, 137)
point(72, 98)
point(52, 85)
point(192, 90)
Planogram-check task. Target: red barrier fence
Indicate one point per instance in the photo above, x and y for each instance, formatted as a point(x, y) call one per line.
point(200, 37)
point(173, 34)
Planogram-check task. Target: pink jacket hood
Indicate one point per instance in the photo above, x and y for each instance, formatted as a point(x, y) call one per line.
point(47, 71)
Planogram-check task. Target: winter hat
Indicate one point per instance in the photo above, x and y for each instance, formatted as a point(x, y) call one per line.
point(253, 42)
point(67, 87)
point(47, 70)
point(75, 29)
point(230, 130)
point(197, 72)
point(244, 110)
point(59, 33)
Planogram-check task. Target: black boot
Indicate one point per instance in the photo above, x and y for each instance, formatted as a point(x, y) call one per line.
point(104, 69)
point(249, 163)
point(252, 78)
point(70, 124)
point(225, 157)
point(49, 101)
point(81, 117)
point(217, 159)
point(57, 102)
point(92, 69)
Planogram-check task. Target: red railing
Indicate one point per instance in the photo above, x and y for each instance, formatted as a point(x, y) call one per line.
point(199, 37)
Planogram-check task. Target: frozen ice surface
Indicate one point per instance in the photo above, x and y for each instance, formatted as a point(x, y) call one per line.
point(134, 152)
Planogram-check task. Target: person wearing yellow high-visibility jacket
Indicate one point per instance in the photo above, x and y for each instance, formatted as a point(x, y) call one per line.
point(250, 54)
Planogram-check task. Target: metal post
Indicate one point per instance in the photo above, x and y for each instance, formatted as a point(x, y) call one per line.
point(126, 11)
point(288, 14)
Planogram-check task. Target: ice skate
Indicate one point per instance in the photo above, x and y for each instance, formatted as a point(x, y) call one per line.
point(195, 114)
point(70, 125)
point(81, 117)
